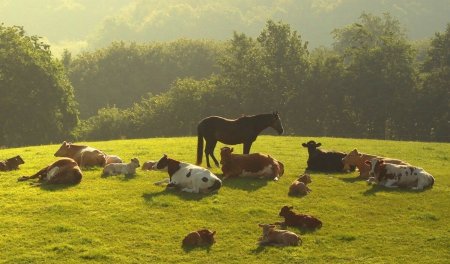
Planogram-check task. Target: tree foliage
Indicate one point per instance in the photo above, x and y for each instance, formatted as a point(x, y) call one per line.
point(37, 101)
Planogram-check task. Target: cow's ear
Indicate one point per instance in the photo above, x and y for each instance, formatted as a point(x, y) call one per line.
point(164, 155)
point(291, 207)
point(213, 233)
point(381, 161)
point(318, 144)
point(304, 145)
point(232, 149)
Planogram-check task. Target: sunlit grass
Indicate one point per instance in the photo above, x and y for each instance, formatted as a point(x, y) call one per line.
point(122, 219)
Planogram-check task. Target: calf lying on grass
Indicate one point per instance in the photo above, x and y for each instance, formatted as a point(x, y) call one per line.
point(121, 168)
point(255, 165)
point(276, 237)
point(148, 165)
point(85, 156)
point(298, 220)
point(202, 237)
point(62, 171)
point(298, 187)
point(354, 158)
point(113, 159)
point(11, 163)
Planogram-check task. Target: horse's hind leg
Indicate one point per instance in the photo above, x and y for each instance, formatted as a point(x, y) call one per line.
point(247, 146)
point(209, 151)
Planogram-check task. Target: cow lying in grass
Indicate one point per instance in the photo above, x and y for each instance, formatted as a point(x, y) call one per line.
point(299, 186)
point(113, 159)
point(84, 156)
point(148, 165)
point(326, 161)
point(298, 220)
point(202, 237)
point(11, 163)
point(62, 171)
point(393, 175)
point(276, 237)
point(253, 165)
point(121, 168)
point(354, 158)
point(188, 177)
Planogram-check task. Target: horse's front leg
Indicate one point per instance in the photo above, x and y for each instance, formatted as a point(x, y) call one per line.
point(247, 146)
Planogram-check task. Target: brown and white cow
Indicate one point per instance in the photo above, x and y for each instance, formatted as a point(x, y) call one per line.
point(393, 175)
point(276, 237)
point(84, 156)
point(355, 158)
point(62, 171)
point(255, 165)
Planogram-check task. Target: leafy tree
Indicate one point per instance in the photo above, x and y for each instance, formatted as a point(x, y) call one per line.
point(37, 101)
point(432, 109)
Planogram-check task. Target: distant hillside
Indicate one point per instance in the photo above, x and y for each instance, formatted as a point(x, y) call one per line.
point(81, 24)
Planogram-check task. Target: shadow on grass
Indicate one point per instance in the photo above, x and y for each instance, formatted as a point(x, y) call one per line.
point(378, 188)
point(125, 177)
point(188, 249)
point(247, 184)
point(353, 179)
point(176, 192)
point(54, 187)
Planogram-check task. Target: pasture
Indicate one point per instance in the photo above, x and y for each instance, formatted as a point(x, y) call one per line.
point(120, 219)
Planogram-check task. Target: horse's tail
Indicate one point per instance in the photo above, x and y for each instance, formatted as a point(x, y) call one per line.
point(199, 144)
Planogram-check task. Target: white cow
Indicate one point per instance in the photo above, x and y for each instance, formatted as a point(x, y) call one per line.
point(394, 175)
point(188, 177)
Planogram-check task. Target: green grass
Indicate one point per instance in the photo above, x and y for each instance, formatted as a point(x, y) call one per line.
point(122, 219)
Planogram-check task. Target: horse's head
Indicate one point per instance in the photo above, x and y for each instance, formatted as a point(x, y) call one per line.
point(276, 123)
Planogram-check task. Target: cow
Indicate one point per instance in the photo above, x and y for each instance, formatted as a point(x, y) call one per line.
point(325, 161)
point(188, 177)
point(148, 165)
point(394, 175)
point(121, 168)
point(354, 158)
point(62, 171)
point(276, 237)
point(113, 159)
point(202, 237)
point(84, 156)
point(255, 165)
point(11, 163)
point(298, 220)
point(299, 186)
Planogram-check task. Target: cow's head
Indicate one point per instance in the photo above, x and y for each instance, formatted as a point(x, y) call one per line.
point(286, 210)
point(352, 157)
point(207, 236)
point(311, 145)
point(225, 152)
point(375, 167)
point(162, 163)
point(305, 178)
point(18, 160)
point(135, 162)
point(63, 150)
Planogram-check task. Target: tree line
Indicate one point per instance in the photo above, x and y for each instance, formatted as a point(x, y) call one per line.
point(372, 83)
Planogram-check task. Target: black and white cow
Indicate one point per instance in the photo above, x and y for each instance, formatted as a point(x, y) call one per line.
point(327, 161)
point(394, 175)
point(188, 177)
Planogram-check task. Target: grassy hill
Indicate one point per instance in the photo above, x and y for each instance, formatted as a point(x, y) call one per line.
point(122, 219)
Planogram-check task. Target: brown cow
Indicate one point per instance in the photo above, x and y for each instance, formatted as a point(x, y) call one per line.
point(299, 186)
point(354, 158)
point(11, 163)
point(253, 165)
point(276, 237)
point(62, 171)
point(84, 156)
point(202, 237)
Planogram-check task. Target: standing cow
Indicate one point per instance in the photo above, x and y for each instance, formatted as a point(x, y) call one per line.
point(84, 156)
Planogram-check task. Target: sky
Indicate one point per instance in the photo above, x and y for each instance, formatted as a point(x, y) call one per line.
point(79, 25)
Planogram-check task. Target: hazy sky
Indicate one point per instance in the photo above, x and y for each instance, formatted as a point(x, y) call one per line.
point(82, 24)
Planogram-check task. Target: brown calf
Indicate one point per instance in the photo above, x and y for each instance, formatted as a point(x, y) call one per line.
point(253, 165)
point(202, 237)
point(11, 163)
point(299, 220)
point(276, 237)
point(84, 156)
point(62, 171)
point(299, 186)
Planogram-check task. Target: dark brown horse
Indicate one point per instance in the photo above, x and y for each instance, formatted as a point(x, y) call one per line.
point(233, 131)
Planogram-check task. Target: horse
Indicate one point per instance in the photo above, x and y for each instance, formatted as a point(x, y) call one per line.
point(233, 131)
